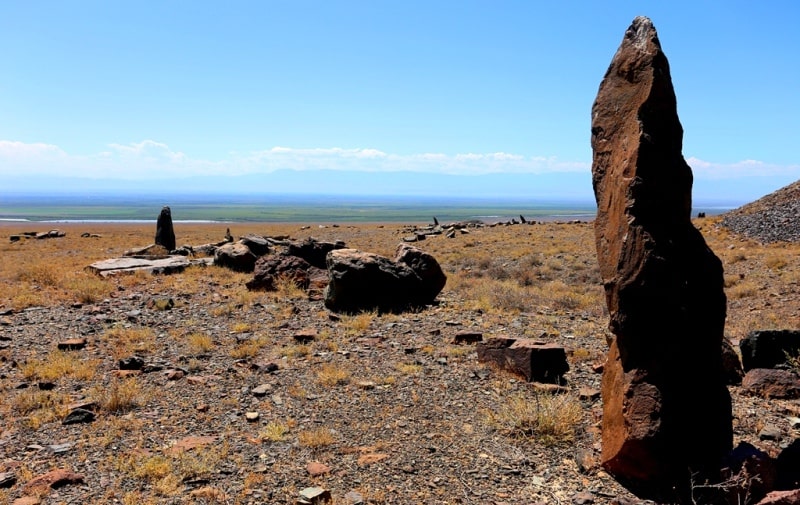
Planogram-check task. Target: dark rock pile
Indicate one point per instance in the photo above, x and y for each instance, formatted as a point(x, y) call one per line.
point(773, 218)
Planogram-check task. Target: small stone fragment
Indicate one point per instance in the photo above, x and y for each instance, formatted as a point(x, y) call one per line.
point(251, 417)
point(53, 479)
point(132, 363)
point(79, 416)
point(354, 498)
point(315, 468)
point(371, 458)
point(467, 337)
point(7, 479)
point(314, 495)
point(769, 432)
point(262, 390)
point(72, 344)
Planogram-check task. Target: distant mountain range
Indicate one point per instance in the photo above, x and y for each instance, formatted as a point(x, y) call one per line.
point(553, 186)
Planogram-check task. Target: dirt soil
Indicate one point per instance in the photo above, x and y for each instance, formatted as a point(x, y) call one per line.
point(249, 398)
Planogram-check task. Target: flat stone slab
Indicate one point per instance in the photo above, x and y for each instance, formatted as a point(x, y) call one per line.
point(168, 265)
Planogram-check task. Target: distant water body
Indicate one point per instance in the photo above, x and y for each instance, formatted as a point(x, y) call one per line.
point(296, 208)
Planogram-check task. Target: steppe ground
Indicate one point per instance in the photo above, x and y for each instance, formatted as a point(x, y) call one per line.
point(381, 407)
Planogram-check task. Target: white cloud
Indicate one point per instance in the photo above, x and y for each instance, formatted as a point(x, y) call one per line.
point(151, 160)
point(745, 168)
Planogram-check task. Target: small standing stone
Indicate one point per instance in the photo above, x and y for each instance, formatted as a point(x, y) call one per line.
point(165, 234)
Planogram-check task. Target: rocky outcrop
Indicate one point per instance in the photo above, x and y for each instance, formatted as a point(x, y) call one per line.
point(666, 412)
point(360, 281)
point(165, 234)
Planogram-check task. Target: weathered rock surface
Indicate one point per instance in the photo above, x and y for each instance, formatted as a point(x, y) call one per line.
point(268, 269)
point(168, 265)
point(359, 281)
point(425, 266)
point(536, 361)
point(236, 256)
point(313, 251)
point(666, 412)
point(771, 383)
point(769, 348)
point(165, 233)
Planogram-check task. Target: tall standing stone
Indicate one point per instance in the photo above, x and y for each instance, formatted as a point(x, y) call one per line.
point(666, 411)
point(165, 234)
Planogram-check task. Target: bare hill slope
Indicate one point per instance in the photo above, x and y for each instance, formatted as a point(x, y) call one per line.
point(773, 218)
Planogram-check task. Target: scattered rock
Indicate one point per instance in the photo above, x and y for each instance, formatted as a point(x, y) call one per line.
point(131, 363)
point(72, 344)
point(315, 468)
point(78, 416)
point(536, 361)
point(189, 443)
point(371, 458)
point(313, 496)
point(53, 480)
point(251, 417)
point(7, 479)
point(771, 383)
point(791, 497)
point(467, 337)
point(262, 390)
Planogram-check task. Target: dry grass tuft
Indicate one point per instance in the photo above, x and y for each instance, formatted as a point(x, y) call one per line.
point(316, 438)
point(548, 418)
point(333, 375)
point(59, 364)
point(126, 342)
point(122, 396)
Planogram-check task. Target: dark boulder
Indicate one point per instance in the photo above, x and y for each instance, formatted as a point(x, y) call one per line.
point(425, 266)
point(360, 281)
point(270, 268)
point(769, 348)
point(313, 251)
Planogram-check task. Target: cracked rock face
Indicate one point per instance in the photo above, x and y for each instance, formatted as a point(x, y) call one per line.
point(667, 413)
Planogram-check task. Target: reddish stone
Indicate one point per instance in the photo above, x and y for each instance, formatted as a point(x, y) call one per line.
point(27, 500)
point(467, 337)
point(771, 383)
point(782, 498)
point(189, 443)
point(53, 479)
point(72, 344)
point(315, 468)
point(536, 361)
point(371, 458)
point(666, 411)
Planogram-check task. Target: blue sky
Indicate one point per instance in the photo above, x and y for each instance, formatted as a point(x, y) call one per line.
point(222, 92)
